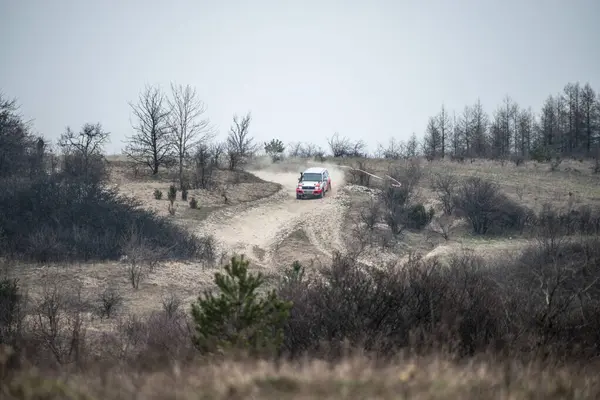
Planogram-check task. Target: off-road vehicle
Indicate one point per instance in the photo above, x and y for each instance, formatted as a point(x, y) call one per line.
point(313, 182)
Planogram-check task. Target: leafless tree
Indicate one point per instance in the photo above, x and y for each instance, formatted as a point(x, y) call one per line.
point(239, 142)
point(441, 226)
point(394, 150)
point(445, 186)
point(15, 139)
point(109, 301)
point(150, 144)
point(412, 146)
point(171, 304)
point(445, 127)
point(307, 150)
point(433, 139)
point(57, 320)
point(295, 149)
point(141, 258)
point(204, 165)
point(83, 152)
point(319, 154)
point(588, 101)
point(217, 150)
point(188, 127)
point(340, 146)
point(358, 149)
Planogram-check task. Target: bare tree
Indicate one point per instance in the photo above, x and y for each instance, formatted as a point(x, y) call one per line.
point(412, 146)
point(307, 150)
point(478, 128)
point(340, 146)
point(19, 150)
point(188, 127)
point(394, 150)
point(588, 98)
point(57, 319)
point(295, 149)
point(239, 142)
point(150, 144)
point(444, 185)
point(217, 150)
point(83, 152)
point(359, 149)
point(444, 126)
point(204, 165)
point(433, 139)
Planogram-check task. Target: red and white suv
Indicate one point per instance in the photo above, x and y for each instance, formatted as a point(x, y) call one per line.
point(314, 182)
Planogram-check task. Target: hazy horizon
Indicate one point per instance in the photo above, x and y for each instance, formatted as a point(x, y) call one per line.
point(366, 70)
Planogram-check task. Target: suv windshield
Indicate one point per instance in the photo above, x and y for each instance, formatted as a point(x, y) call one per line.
point(311, 177)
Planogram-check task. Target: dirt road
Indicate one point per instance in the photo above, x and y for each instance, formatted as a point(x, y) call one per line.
point(263, 224)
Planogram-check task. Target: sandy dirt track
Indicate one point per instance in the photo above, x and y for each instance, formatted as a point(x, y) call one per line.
point(264, 223)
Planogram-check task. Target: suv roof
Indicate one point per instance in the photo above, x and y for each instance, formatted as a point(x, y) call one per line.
point(315, 170)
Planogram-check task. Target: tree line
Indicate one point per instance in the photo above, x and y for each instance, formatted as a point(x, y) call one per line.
point(568, 125)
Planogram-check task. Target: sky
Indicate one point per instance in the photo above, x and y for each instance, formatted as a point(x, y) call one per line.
point(369, 70)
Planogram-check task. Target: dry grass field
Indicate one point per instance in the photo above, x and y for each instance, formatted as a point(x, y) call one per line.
point(356, 377)
point(263, 220)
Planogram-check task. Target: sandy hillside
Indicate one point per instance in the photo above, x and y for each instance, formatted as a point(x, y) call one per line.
point(258, 230)
point(262, 219)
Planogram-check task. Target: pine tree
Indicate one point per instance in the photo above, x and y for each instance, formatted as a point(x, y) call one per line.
point(238, 318)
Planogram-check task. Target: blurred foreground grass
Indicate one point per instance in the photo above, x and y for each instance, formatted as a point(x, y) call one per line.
point(353, 378)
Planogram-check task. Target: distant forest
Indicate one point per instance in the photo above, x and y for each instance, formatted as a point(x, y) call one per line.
point(567, 125)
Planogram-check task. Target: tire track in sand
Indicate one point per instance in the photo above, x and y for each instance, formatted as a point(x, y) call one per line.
point(266, 222)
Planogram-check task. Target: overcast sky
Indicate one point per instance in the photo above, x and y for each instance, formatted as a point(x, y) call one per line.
point(367, 69)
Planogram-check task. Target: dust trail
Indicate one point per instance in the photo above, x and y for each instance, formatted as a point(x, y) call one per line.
point(264, 224)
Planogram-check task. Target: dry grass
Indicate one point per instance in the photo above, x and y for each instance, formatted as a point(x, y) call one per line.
point(531, 184)
point(186, 279)
point(239, 188)
point(353, 378)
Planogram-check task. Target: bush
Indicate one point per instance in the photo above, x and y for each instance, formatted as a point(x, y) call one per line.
point(387, 309)
point(275, 149)
point(488, 210)
point(550, 222)
point(358, 174)
point(395, 199)
point(541, 303)
point(238, 317)
point(156, 340)
point(158, 194)
point(445, 186)
point(10, 302)
point(417, 217)
point(110, 300)
point(171, 305)
point(542, 154)
point(50, 219)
